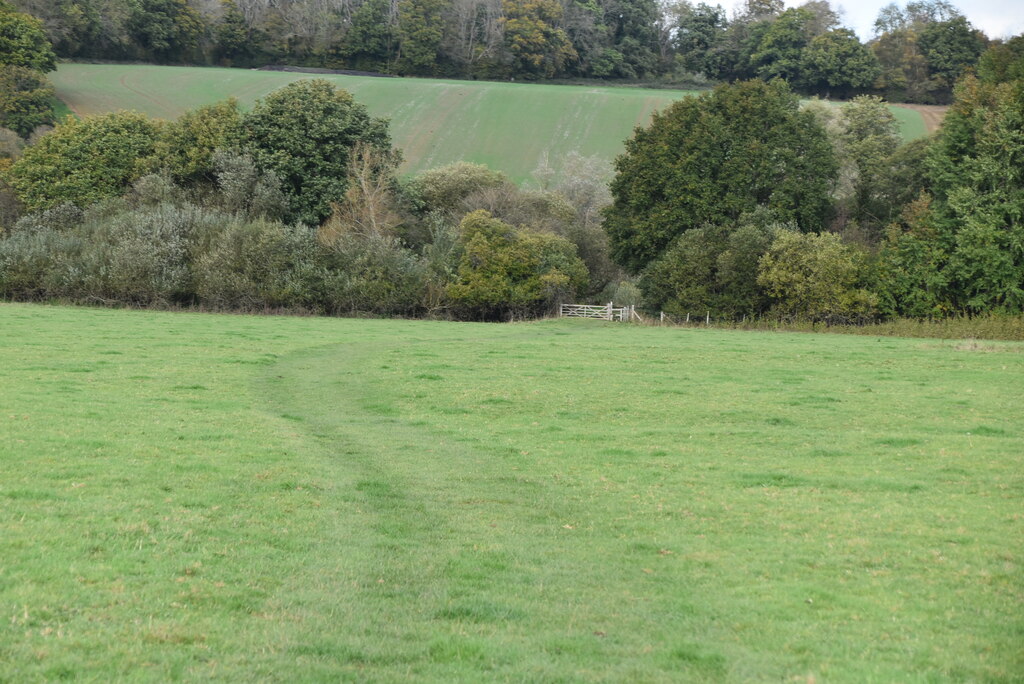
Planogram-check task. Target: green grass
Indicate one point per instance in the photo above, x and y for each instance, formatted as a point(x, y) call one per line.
point(60, 109)
point(507, 126)
point(911, 123)
point(189, 496)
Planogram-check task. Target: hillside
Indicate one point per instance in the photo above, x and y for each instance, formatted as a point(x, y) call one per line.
point(507, 126)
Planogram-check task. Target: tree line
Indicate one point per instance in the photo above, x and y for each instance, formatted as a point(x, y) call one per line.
point(917, 54)
point(297, 205)
point(739, 202)
point(743, 203)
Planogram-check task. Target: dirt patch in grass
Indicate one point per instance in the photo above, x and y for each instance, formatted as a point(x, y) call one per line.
point(932, 114)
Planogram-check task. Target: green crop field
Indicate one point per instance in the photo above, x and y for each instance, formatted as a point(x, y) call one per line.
point(511, 127)
point(224, 497)
point(912, 124)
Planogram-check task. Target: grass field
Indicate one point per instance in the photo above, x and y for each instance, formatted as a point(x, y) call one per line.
point(190, 496)
point(507, 126)
point(912, 124)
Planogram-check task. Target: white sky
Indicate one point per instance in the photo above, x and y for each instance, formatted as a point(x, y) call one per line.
point(997, 18)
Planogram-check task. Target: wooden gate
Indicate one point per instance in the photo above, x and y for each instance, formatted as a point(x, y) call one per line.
point(607, 312)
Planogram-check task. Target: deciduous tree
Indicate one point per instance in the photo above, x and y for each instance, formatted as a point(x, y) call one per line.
point(25, 97)
point(709, 159)
point(305, 133)
point(84, 161)
point(23, 42)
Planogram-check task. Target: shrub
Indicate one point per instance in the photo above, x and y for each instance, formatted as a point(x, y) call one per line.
point(507, 272)
point(816, 277)
point(24, 99)
point(444, 189)
point(260, 264)
point(375, 274)
point(82, 162)
point(39, 264)
point(139, 256)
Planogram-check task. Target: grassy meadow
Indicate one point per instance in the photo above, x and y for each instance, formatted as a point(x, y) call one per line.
point(510, 127)
point(218, 497)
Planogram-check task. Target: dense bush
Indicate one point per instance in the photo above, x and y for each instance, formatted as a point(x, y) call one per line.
point(511, 272)
point(140, 256)
point(446, 188)
point(40, 264)
point(186, 148)
point(25, 96)
point(84, 161)
point(375, 274)
point(256, 265)
point(816, 277)
point(713, 269)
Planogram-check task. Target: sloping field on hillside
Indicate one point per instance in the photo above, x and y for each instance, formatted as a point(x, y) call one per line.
point(508, 126)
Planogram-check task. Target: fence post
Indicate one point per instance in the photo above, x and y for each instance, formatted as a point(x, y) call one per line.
point(687, 316)
point(708, 321)
point(609, 315)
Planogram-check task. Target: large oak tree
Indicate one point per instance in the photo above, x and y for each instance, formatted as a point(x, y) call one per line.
point(709, 159)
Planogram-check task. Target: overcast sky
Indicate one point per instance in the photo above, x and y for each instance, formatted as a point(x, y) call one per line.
point(997, 18)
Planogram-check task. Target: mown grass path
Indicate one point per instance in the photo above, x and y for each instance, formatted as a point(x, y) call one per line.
point(229, 497)
point(510, 127)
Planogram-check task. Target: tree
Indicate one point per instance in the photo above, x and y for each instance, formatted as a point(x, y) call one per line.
point(824, 19)
point(84, 161)
point(709, 159)
point(473, 36)
point(420, 30)
point(869, 138)
point(368, 42)
point(837, 62)
point(816, 277)
point(538, 48)
point(779, 52)
point(368, 208)
point(630, 26)
point(23, 42)
point(977, 181)
point(165, 29)
point(25, 97)
point(904, 69)
point(923, 49)
point(305, 133)
point(506, 271)
point(698, 36)
point(951, 47)
point(1003, 62)
point(186, 146)
point(910, 270)
point(234, 40)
